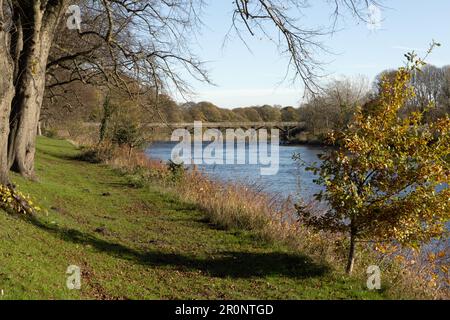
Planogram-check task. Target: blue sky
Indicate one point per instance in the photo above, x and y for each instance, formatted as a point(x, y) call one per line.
point(246, 78)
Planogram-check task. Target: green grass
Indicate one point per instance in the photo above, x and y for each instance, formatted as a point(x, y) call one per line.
point(142, 244)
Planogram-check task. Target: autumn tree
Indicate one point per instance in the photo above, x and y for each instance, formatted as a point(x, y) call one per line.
point(387, 180)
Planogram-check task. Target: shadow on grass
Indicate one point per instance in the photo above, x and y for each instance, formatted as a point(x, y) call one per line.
point(67, 152)
point(62, 152)
point(225, 264)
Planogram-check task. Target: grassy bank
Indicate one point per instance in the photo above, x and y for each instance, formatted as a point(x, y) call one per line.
point(143, 243)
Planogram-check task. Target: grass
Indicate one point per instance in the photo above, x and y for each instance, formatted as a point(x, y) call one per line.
point(143, 244)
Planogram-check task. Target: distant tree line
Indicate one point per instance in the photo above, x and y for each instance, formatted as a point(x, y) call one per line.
point(331, 109)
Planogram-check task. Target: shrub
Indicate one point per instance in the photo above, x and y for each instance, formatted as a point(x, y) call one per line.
point(128, 134)
point(177, 171)
point(99, 154)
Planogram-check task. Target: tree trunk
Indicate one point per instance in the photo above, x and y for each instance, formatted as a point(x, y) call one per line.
point(39, 25)
point(351, 252)
point(27, 102)
point(6, 95)
point(105, 120)
point(39, 129)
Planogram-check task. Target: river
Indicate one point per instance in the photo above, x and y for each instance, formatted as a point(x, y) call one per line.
point(290, 180)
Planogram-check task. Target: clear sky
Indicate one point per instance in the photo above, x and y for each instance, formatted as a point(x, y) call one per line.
point(245, 78)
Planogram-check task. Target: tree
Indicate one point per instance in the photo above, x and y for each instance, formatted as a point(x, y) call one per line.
point(386, 182)
point(298, 42)
point(290, 114)
point(135, 45)
point(427, 84)
point(211, 112)
point(248, 114)
point(269, 113)
point(122, 124)
point(6, 90)
point(75, 103)
point(445, 97)
point(343, 96)
point(129, 134)
point(383, 76)
point(107, 113)
point(35, 24)
point(172, 112)
point(334, 107)
point(193, 113)
point(431, 85)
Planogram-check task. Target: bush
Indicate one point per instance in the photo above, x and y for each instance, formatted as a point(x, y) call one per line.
point(129, 134)
point(136, 180)
point(98, 154)
point(125, 134)
point(177, 171)
point(141, 177)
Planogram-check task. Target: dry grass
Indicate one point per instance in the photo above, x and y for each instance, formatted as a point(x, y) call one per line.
point(122, 158)
point(423, 270)
point(236, 206)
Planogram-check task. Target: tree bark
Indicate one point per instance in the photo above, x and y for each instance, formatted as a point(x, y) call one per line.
point(351, 252)
point(6, 95)
point(39, 25)
point(39, 129)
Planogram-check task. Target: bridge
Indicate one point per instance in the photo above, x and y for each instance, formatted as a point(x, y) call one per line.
point(286, 128)
point(229, 124)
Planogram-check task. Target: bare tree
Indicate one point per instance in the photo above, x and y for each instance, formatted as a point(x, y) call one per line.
point(334, 107)
point(138, 46)
point(444, 100)
point(428, 86)
point(301, 44)
point(36, 23)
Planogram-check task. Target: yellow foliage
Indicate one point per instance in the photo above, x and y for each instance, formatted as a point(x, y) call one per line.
point(388, 180)
point(14, 201)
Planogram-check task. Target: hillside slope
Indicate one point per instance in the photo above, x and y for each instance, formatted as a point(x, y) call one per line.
point(141, 244)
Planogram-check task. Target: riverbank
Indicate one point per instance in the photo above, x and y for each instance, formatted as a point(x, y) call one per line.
point(133, 243)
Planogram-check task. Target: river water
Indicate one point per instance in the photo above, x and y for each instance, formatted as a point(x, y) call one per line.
point(290, 179)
